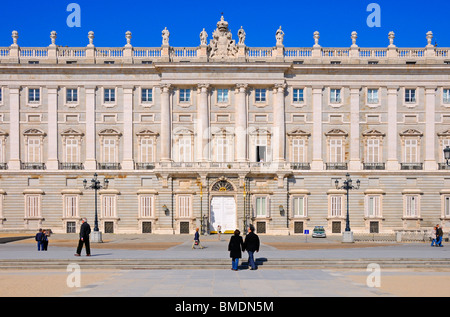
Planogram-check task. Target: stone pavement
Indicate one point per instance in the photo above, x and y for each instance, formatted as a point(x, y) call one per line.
point(209, 281)
point(63, 246)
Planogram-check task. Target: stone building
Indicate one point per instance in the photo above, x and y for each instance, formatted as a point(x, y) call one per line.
point(224, 134)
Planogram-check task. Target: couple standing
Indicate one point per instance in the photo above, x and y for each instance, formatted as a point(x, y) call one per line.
point(237, 245)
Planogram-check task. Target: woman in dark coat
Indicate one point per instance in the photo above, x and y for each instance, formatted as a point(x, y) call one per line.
point(236, 246)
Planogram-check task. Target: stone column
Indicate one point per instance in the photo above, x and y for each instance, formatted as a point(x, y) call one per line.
point(165, 123)
point(52, 112)
point(279, 124)
point(128, 161)
point(202, 123)
point(317, 161)
point(91, 146)
point(430, 129)
point(241, 123)
point(14, 128)
point(355, 158)
point(392, 159)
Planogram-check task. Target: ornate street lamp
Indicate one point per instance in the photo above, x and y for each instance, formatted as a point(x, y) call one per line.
point(447, 155)
point(95, 185)
point(347, 185)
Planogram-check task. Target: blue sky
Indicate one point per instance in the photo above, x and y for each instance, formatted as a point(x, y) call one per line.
point(335, 20)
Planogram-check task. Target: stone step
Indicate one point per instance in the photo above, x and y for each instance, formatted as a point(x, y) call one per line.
point(130, 264)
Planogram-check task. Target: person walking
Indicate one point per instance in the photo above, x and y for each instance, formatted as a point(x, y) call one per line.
point(251, 245)
point(235, 246)
point(85, 230)
point(219, 231)
point(196, 240)
point(433, 237)
point(39, 239)
point(439, 235)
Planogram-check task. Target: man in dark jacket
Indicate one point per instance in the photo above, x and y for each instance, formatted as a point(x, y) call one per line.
point(251, 245)
point(439, 236)
point(40, 240)
point(85, 230)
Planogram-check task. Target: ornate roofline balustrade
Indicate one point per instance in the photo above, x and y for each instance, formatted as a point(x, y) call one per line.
point(222, 48)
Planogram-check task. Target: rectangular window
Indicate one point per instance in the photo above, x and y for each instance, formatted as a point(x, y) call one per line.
point(34, 95)
point(222, 148)
point(373, 206)
point(336, 206)
point(261, 150)
point(184, 206)
point(185, 95)
point(336, 151)
point(260, 95)
point(298, 95)
point(410, 95)
point(412, 206)
point(185, 148)
point(146, 95)
point(445, 143)
point(72, 151)
point(70, 206)
point(372, 95)
point(71, 95)
point(298, 151)
point(109, 151)
point(2, 152)
point(373, 151)
point(32, 206)
point(34, 150)
point(1, 95)
point(445, 96)
point(411, 151)
point(298, 205)
point(335, 95)
point(109, 95)
point(146, 205)
point(222, 95)
point(147, 151)
point(447, 206)
point(261, 206)
point(109, 206)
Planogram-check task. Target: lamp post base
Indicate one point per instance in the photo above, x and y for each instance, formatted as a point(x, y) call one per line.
point(347, 237)
point(96, 237)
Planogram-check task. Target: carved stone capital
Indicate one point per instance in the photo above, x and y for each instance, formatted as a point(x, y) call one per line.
point(203, 87)
point(165, 88)
point(241, 88)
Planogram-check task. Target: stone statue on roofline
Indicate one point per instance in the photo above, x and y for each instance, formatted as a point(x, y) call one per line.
point(241, 35)
point(203, 37)
point(165, 36)
point(279, 35)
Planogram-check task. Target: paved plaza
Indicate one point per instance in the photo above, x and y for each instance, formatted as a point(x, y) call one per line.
point(213, 277)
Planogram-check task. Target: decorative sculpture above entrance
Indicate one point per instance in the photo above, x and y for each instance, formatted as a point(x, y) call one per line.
point(222, 185)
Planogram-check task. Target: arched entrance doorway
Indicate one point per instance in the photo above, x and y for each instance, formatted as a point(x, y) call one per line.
point(223, 207)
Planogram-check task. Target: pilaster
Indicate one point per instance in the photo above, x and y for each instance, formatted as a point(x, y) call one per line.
point(202, 123)
point(128, 162)
point(165, 123)
point(317, 161)
point(241, 123)
point(52, 150)
point(90, 162)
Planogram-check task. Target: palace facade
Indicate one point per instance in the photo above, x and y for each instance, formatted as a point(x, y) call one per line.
point(224, 134)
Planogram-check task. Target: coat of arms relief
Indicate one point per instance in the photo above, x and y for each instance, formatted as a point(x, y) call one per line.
point(222, 44)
